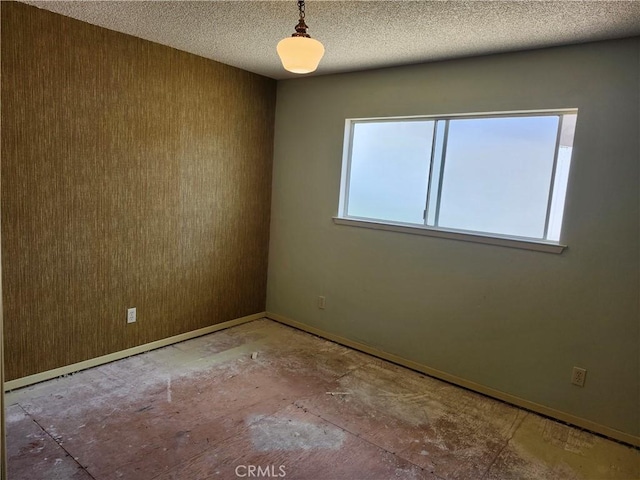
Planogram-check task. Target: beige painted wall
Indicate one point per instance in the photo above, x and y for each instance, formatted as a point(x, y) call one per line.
point(133, 175)
point(513, 320)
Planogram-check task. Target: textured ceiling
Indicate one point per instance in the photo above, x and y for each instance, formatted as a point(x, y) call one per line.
point(358, 35)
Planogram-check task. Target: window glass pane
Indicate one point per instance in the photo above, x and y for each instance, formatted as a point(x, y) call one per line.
point(497, 175)
point(390, 170)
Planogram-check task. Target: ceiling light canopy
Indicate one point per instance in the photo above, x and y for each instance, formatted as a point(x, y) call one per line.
point(300, 53)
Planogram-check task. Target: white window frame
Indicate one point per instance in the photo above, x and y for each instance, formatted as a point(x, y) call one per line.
point(342, 218)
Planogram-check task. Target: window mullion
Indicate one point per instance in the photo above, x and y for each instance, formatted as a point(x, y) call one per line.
point(553, 178)
point(441, 176)
point(431, 166)
point(352, 132)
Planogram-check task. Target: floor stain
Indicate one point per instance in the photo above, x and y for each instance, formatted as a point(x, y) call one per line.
point(269, 433)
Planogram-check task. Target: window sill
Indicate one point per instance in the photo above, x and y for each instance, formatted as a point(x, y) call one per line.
point(511, 242)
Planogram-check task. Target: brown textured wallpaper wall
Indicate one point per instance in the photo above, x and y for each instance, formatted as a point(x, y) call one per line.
point(133, 175)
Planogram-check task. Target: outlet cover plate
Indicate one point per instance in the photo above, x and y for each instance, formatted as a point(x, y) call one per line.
point(578, 376)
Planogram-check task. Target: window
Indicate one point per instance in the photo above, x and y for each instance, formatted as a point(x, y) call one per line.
point(500, 176)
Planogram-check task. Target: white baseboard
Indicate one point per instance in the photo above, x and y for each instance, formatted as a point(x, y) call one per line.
point(94, 362)
point(506, 397)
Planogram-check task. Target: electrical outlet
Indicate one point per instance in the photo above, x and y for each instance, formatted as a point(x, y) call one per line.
point(578, 376)
point(321, 302)
point(131, 315)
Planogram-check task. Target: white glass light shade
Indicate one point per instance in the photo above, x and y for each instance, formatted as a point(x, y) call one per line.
point(300, 54)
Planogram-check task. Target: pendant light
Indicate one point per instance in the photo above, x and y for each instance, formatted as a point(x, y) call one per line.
point(300, 53)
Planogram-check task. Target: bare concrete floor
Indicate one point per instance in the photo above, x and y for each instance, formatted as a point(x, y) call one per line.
point(304, 408)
